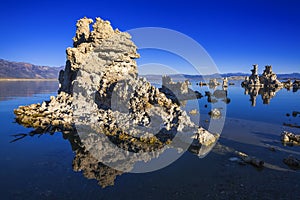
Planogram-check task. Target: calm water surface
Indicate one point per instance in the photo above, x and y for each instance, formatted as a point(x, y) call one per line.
point(41, 167)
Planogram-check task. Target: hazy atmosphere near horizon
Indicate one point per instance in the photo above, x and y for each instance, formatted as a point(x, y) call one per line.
point(236, 34)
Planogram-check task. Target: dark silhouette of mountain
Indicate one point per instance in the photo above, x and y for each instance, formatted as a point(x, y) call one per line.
point(15, 70)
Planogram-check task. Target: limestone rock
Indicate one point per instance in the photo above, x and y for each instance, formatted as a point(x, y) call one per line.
point(82, 31)
point(296, 85)
point(268, 79)
point(99, 89)
point(225, 82)
point(178, 91)
point(213, 82)
point(265, 85)
point(193, 112)
point(253, 80)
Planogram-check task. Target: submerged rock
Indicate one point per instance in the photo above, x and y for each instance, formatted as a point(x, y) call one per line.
point(201, 83)
point(290, 138)
point(234, 159)
point(251, 159)
point(295, 113)
point(215, 113)
point(193, 112)
point(296, 85)
point(292, 162)
point(288, 84)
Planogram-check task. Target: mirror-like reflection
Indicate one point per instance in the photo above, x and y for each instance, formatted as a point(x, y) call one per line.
point(265, 85)
point(266, 94)
point(26, 88)
point(86, 162)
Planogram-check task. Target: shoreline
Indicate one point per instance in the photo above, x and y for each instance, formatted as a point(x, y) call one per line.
point(28, 79)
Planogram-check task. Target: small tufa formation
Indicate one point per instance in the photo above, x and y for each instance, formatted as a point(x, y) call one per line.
point(269, 78)
point(213, 82)
point(288, 84)
point(225, 82)
point(178, 91)
point(253, 80)
point(193, 112)
point(290, 138)
point(168, 83)
point(292, 85)
point(296, 85)
point(217, 95)
point(215, 113)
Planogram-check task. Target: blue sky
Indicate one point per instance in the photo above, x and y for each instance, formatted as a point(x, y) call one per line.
point(236, 34)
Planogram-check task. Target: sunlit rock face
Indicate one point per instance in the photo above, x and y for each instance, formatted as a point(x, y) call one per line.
point(99, 89)
point(268, 79)
point(110, 55)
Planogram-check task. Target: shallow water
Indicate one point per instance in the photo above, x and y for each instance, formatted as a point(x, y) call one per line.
point(42, 167)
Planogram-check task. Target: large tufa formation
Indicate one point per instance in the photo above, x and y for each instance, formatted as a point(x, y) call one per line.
point(99, 87)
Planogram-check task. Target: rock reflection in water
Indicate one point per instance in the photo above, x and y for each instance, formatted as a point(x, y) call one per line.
point(29, 88)
point(265, 85)
point(218, 94)
point(84, 161)
point(266, 94)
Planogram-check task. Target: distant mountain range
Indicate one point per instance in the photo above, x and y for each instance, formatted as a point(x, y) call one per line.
point(21, 70)
point(232, 76)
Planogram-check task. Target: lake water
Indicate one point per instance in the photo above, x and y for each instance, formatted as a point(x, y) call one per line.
point(42, 167)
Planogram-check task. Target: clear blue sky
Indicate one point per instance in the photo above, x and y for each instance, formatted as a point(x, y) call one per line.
point(236, 34)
